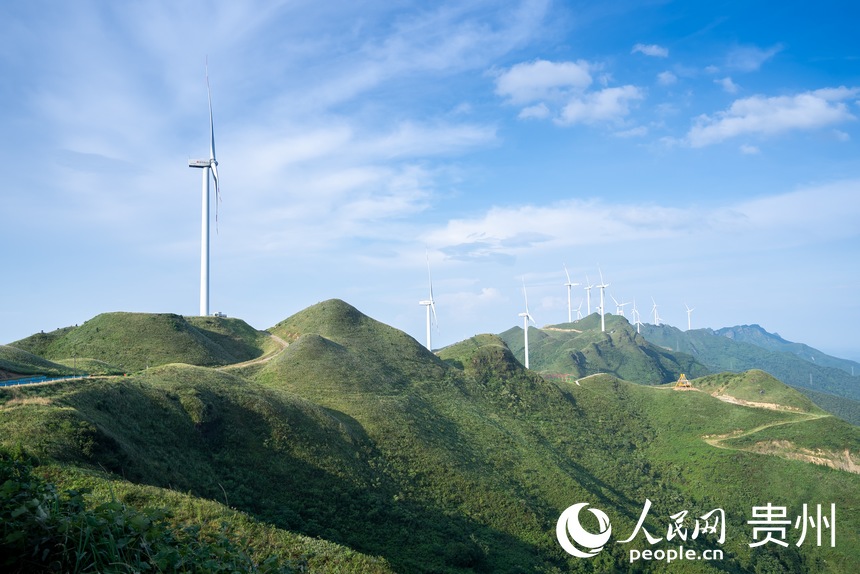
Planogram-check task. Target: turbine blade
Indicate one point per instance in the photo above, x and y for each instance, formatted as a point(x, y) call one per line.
point(433, 308)
point(566, 273)
point(211, 121)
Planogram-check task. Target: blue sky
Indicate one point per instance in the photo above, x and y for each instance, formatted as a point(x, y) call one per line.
point(700, 154)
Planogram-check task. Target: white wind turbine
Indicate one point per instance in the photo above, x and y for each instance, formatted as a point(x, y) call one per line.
point(526, 318)
point(207, 165)
point(689, 312)
point(430, 304)
point(569, 285)
point(636, 318)
point(587, 288)
point(602, 288)
point(654, 311)
point(579, 311)
point(619, 307)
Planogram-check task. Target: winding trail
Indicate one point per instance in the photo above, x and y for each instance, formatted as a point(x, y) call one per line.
point(282, 344)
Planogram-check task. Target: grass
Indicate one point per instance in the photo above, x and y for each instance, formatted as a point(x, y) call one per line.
point(128, 342)
point(356, 435)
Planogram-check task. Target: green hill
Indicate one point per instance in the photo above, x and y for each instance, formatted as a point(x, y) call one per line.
point(134, 341)
point(15, 363)
point(722, 353)
point(458, 463)
point(581, 348)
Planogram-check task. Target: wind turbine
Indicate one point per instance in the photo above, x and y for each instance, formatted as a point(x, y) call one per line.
point(569, 285)
point(207, 165)
point(619, 307)
point(602, 288)
point(636, 317)
point(430, 304)
point(654, 311)
point(526, 318)
point(689, 312)
point(579, 311)
point(587, 288)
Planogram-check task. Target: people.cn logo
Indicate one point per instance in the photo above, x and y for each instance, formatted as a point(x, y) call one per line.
point(574, 538)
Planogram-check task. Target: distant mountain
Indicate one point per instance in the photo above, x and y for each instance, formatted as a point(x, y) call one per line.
point(756, 335)
point(458, 462)
point(580, 348)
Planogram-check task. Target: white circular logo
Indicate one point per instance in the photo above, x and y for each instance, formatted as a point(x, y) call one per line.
point(568, 524)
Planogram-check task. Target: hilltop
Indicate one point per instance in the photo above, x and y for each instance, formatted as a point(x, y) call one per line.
point(580, 348)
point(460, 462)
point(133, 341)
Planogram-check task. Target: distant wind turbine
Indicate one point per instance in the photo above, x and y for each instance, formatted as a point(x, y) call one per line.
point(619, 307)
point(431, 306)
point(207, 165)
point(602, 288)
point(569, 285)
point(654, 311)
point(526, 318)
point(689, 313)
point(579, 310)
point(636, 317)
point(587, 288)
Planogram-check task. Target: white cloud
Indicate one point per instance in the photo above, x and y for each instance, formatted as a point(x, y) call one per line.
point(651, 50)
point(503, 234)
point(769, 116)
point(749, 149)
point(539, 111)
point(638, 131)
point(542, 80)
point(728, 85)
point(607, 105)
point(750, 58)
point(666, 78)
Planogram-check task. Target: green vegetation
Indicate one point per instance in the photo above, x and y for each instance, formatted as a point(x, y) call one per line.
point(15, 363)
point(355, 442)
point(128, 342)
point(723, 353)
point(581, 348)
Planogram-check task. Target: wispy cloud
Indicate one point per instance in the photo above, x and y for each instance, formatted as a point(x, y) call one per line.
point(750, 58)
point(543, 80)
point(607, 105)
point(728, 85)
point(767, 116)
point(666, 78)
point(651, 50)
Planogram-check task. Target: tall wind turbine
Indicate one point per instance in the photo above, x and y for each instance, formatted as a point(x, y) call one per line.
point(689, 312)
point(636, 317)
point(569, 285)
point(587, 288)
point(579, 311)
point(207, 165)
point(431, 306)
point(602, 288)
point(619, 306)
point(526, 318)
point(654, 311)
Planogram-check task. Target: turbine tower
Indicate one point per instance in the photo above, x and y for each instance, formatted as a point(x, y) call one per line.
point(636, 318)
point(430, 304)
point(207, 165)
point(569, 285)
point(689, 312)
point(526, 318)
point(654, 311)
point(587, 288)
point(602, 288)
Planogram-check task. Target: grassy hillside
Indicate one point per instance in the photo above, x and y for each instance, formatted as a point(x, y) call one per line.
point(460, 462)
point(15, 363)
point(581, 348)
point(133, 341)
point(721, 353)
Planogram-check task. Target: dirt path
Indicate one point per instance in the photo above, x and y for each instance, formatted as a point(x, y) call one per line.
point(260, 360)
